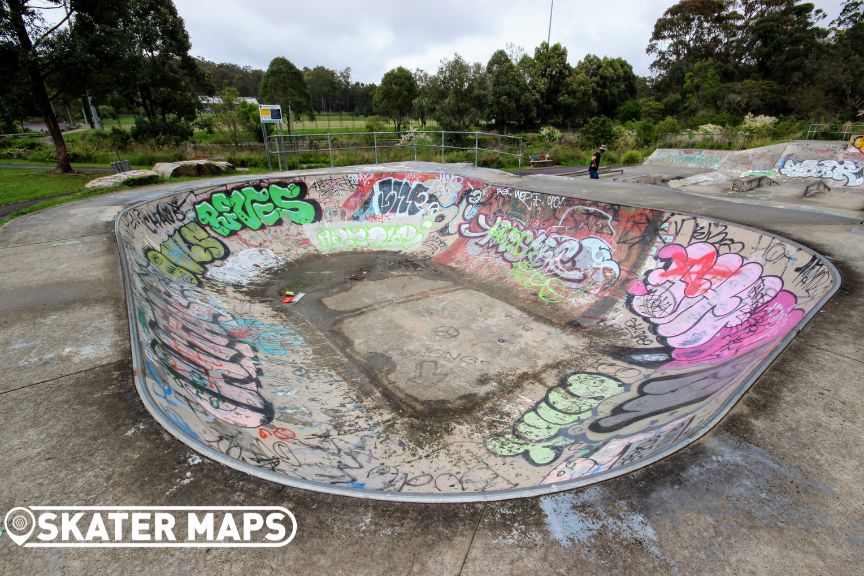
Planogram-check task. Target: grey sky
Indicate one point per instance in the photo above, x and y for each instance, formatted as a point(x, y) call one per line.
point(374, 36)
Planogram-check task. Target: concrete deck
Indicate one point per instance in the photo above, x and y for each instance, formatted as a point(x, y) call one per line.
point(774, 489)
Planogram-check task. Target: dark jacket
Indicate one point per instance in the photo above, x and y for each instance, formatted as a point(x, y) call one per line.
point(595, 160)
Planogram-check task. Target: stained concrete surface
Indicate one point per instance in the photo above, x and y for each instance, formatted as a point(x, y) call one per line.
point(774, 489)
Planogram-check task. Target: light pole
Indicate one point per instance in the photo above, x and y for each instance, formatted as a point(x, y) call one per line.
point(549, 33)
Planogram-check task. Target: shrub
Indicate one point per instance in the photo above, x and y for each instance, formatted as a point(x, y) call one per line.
point(629, 110)
point(141, 180)
point(119, 139)
point(376, 124)
point(667, 126)
point(599, 130)
point(550, 134)
point(645, 132)
point(171, 131)
point(710, 129)
point(758, 124)
point(631, 157)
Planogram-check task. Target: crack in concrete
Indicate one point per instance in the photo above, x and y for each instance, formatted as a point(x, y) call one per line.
point(471, 543)
point(110, 233)
point(63, 376)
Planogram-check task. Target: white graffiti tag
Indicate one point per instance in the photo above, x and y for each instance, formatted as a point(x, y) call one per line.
point(579, 263)
point(845, 171)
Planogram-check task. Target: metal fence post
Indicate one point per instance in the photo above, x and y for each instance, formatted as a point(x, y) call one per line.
point(520, 153)
point(414, 140)
point(278, 152)
point(475, 149)
point(330, 147)
point(442, 147)
point(266, 146)
point(375, 145)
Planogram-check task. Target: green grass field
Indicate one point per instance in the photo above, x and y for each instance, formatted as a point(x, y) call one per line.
point(20, 185)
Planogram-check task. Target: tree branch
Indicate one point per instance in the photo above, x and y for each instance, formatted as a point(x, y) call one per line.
point(53, 28)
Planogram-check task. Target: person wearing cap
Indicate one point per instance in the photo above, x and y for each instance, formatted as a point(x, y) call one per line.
point(595, 162)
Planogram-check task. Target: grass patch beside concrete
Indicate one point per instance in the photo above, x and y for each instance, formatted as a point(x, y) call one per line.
point(69, 197)
point(19, 185)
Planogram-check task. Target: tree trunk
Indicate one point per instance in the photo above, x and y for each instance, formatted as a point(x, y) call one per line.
point(37, 84)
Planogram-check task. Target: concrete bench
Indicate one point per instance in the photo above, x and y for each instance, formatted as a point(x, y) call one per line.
point(538, 159)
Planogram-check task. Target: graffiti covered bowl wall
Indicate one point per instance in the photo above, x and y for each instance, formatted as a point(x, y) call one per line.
point(505, 342)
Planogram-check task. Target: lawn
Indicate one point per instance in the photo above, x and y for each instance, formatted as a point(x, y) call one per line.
point(20, 185)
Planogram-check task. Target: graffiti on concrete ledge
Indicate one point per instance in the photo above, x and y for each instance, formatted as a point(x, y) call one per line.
point(846, 171)
point(707, 306)
point(185, 254)
point(197, 345)
point(249, 207)
point(540, 434)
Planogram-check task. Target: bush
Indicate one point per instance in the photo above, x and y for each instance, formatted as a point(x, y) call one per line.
point(758, 124)
point(599, 130)
point(141, 180)
point(667, 126)
point(631, 157)
point(119, 139)
point(550, 134)
point(629, 110)
point(645, 132)
point(172, 131)
point(376, 124)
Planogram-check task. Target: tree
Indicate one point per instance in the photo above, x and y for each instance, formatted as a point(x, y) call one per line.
point(283, 84)
point(509, 99)
point(323, 86)
point(423, 105)
point(245, 80)
point(611, 80)
point(784, 44)
point(23, 32)
point(694, 30)
point(458, 91)
point(577, 99)
point(599, 130)
point(702, 85)
point(548, 73)
point(133, 54)
point(167, 78)
point(228, 114)
point(840, 71)
point(395, 96)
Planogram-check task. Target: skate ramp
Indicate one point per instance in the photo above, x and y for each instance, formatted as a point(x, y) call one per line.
point(838, 164)
point(457, 339)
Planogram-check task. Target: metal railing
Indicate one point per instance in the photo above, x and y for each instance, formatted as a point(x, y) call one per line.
point(362, 147)
point(834, 132)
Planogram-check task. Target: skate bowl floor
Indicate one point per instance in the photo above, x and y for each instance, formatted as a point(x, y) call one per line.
point(456, 339)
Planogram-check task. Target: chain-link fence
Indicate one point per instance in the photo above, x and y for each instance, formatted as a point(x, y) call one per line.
point(288, 151)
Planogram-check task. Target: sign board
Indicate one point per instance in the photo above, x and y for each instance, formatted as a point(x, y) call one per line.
point(270, 113)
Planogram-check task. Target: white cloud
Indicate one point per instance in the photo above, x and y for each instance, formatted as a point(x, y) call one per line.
point(376, 35)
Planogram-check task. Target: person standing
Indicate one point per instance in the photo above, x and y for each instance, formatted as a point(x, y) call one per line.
point(595, 163)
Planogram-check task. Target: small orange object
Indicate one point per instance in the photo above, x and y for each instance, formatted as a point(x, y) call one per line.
point(287, 299)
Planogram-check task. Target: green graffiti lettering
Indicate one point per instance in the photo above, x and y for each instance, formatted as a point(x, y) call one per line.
point(252, 208)
point(540, 433)
point(185, 253)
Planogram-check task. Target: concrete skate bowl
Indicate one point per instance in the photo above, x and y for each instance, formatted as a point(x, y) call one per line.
point(457, 340)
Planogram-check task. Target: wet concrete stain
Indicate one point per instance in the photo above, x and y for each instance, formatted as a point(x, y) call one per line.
point(323, 278)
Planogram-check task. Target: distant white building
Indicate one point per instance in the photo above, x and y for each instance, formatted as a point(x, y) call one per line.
point(209, 103)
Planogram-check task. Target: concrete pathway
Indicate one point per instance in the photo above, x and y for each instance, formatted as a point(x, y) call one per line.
point(774, 489)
